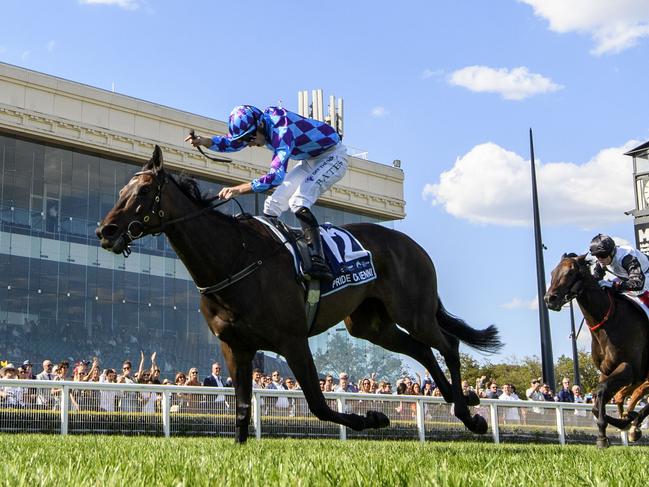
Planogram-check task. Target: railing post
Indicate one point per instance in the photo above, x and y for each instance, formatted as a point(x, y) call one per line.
point(421, 419)
point(341, 409)
point(624, 436)
point(256, 414)
point(560, 426)
point(493, 414)
point(166, 410)
point(65, 409)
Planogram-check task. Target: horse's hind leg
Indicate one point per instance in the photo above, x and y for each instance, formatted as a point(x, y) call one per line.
point(371, 324)
point(425, 328)
point(299, 359)
point(240, 366)
point(450, 350)
point(638, 393)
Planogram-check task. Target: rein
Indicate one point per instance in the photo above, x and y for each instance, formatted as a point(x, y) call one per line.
point(213, 203)
point(609, 313)
point(212, 158)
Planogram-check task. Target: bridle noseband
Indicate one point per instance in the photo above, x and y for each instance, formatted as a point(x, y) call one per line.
point(577, 289)
point(155, 209)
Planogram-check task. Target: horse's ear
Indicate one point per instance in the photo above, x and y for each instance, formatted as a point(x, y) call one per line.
point(581, 259)
point(570, 255)
point(155, 163)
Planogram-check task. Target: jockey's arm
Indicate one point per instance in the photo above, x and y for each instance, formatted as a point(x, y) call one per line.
point(216, 143)
point(635, 282)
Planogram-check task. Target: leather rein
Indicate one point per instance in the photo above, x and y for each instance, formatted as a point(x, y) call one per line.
point(577, 289)
point(155, 209)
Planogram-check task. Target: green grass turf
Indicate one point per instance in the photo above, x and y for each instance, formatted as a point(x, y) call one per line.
point(132, 461)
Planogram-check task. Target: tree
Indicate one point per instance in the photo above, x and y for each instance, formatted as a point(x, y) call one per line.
point(358, 360)
point(588, 372)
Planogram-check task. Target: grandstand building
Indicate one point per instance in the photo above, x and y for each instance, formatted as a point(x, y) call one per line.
point(65, 151)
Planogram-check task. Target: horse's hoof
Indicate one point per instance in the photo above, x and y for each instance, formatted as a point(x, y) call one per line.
point(478, 425)
point(602, 443)
point(375, 419)
point(472, 399)
point(634, 434)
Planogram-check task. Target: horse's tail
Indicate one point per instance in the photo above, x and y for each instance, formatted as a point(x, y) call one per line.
point(486, 340)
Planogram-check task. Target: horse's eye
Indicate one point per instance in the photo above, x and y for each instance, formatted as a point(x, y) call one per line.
point(144, 190)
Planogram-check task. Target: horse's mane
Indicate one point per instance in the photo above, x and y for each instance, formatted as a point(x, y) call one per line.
point(189, 187)
point(582, 264)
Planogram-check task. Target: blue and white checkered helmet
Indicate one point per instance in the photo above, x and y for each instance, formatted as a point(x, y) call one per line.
point(243, 121)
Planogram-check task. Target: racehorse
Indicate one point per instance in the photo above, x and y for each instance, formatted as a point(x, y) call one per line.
point(260, 304)
point(620, 335)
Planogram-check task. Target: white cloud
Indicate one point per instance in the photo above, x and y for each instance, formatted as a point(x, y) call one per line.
point(51, 45)
point(516, 84)
point(614, 26)
point(379, 112)
point(491, 185)
point(125, 4)
point(517, 303)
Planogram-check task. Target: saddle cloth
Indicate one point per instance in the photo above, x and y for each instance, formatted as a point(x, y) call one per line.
point(640, 300)
point(350, 263)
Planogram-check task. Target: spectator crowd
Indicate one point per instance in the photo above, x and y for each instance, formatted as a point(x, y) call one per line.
point(150, 402)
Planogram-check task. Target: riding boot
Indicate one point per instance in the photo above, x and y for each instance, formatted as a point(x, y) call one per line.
point(319, 268)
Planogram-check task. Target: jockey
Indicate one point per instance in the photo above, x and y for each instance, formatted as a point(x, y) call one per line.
point(629, 265)
point(322, 162)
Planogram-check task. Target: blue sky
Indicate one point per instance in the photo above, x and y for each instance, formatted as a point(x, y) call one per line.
point(450, 88)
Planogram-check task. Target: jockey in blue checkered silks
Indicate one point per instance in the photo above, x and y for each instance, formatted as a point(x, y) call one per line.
point(322, 162)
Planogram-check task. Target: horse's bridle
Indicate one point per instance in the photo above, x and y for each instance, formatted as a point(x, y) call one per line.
point(576, 289)
point(155, 210)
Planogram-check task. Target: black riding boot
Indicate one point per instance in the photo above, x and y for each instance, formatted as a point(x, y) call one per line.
point(319, 268)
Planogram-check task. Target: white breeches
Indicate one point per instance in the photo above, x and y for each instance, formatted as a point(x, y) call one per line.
point(304, 184)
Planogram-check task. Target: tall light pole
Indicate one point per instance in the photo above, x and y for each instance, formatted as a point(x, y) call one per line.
point(575, 355)
point(547, 362)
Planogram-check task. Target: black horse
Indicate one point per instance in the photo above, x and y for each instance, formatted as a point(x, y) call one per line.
point(619, 333)
point(264, 310)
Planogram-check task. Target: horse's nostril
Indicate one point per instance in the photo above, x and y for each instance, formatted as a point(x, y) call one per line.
point(107, 231)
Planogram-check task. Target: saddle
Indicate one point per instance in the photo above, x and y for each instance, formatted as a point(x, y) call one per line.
point(294, 236)
point(350, 262)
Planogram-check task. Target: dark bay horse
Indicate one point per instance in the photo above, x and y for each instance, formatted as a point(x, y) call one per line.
point(265, 309)
point(620, 339)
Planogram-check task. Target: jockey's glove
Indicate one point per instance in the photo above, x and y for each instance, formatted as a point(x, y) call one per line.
point(606, 284)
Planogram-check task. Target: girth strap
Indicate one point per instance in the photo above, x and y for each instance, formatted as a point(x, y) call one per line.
point(312, 302)
point(230, 279)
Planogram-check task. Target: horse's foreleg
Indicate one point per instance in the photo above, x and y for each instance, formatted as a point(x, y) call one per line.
point(619, 401)
point(622, 376)
point(240, 365)
point(300, 360)
point(638, 393)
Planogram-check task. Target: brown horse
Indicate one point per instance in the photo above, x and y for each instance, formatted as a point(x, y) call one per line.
point(619, 332)
point(260, 305)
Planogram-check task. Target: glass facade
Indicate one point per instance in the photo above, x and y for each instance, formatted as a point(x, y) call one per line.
point(63, 297)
